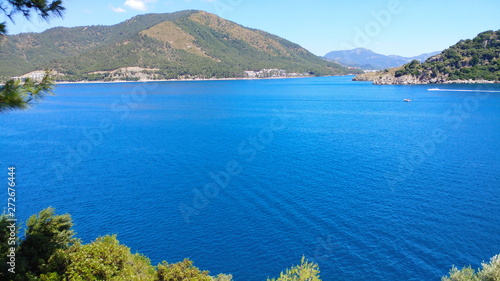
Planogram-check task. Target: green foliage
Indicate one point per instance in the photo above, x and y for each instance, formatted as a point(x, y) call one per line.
point(16, 94)
point(5, 245)
point(223, 277)
point(48, 252)
point(474, 59)
point(103, 259)
point(306, 271)
point(44, 235)
point(26, 52)
point(184, 270)
point(489, 272)
point(4, 234)
point(464, 274)
point(413, 68)
point(43, 8)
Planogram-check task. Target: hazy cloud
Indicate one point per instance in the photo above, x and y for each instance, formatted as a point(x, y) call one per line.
point(116, 9)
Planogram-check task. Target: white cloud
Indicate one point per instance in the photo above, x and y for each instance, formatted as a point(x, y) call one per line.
point(138, 4)
point(116, 9)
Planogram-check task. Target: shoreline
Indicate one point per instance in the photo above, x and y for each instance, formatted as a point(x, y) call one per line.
point(450, 82)
point(405, 81)
point(456, 82)
point(187, 80)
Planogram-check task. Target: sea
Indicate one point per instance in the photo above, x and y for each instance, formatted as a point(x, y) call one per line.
point(247, 177)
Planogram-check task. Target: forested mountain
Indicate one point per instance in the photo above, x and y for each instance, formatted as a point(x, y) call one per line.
point(187, 44)
point(471, 60)
point(367, 59)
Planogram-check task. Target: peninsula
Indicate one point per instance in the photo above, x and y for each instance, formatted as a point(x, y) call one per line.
point(474, 60)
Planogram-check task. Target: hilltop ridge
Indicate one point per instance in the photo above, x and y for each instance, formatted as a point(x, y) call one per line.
point(369, 60)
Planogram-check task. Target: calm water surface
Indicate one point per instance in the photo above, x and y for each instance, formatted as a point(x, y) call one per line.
point(246, 177)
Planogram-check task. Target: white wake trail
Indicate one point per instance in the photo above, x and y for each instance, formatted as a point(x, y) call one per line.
point(453, 90)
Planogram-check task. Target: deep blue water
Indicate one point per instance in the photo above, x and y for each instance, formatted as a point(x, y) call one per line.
point(344, 173)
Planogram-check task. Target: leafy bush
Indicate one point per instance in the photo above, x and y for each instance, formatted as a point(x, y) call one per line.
point(489, 272)
point(103, 259)
point(49, 252)
point(184, 270)
point(306, 271)
point(45, 234)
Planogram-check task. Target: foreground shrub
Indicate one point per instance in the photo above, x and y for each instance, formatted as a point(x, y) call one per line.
point(48, 252)
point(306, 271)
point(184, 270)
point(489, 272)
point(103, 259)
point(45, 233)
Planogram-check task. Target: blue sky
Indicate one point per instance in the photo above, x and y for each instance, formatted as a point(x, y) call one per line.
point(401, 27)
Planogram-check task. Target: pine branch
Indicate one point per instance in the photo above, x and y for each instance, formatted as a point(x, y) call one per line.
point(16, 95)
point(43, 8)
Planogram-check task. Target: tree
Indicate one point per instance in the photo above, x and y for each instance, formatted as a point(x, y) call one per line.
point(103, 259)
point(306, 271)
point(44, 235)
point(184, 270)
point(43, 8)
point(15, 94)
point(489, 272)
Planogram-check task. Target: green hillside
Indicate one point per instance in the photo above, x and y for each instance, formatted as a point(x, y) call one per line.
point(31, 51)
point(471, 60)
point(187, 44)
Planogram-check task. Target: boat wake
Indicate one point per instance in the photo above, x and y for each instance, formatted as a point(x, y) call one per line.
point(453, 90)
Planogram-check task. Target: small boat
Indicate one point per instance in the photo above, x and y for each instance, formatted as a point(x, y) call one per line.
point(407, 100)
point(433, 89)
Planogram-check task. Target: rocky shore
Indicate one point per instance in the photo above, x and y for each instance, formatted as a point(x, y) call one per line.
point(388, 78)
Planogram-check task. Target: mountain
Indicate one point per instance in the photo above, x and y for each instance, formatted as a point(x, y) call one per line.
point(367, 59)
point(469, 61)
point(186, 44)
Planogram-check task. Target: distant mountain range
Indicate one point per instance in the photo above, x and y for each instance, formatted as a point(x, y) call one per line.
point(366, 59)
point(182, 45)
point(474, 60)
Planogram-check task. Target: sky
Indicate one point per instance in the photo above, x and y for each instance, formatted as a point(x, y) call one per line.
point(390, 27)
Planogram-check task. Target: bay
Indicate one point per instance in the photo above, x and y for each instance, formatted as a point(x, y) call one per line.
point(247, 176)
